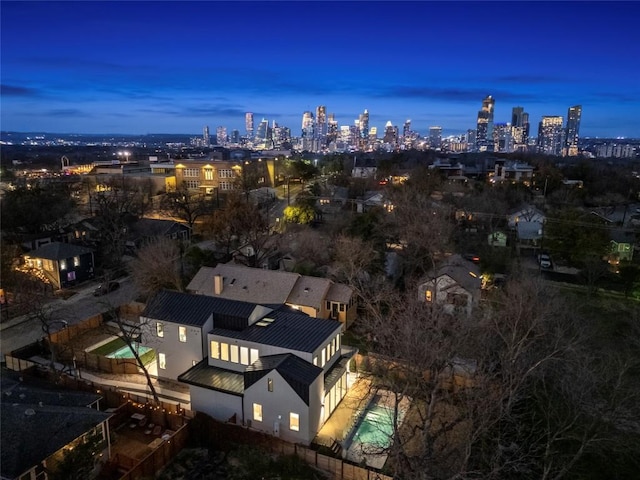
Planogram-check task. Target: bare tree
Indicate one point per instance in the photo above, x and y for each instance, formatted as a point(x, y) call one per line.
point(490, 395)
point(157, 266)
point(186, 205)
point(50, 322)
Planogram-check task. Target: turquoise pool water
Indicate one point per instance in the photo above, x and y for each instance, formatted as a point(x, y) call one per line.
point(376, 428)
point(125, 352)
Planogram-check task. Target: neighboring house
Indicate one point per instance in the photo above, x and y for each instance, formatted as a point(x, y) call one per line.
point(525, 214)
point(497, 239)
point(62, 264)
point(622, 245)
point(529, 234)
point(446, 168)
point(144, 230)
point(268, 367)
point(317, 297)
point(40, 424)
point(512, 172)
point(455, 284)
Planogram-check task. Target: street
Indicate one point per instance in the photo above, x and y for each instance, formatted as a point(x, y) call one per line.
point(21, 331)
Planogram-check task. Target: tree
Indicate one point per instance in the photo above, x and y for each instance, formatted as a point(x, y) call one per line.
point(302, 214)
point(157, 266)
point(186, 205)
point(79, 462)
point(575, 236)
point(515, 392)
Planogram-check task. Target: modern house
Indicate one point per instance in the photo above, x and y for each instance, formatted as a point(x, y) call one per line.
point(622, 245)
point(62, 264)
point(144, 230)
point(456, 285)
point(516, 172)
point(268, 367)
point(40, 425)
point(317, 297)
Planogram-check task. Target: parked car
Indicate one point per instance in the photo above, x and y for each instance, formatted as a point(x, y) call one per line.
point(544, 261)
point(105, 288)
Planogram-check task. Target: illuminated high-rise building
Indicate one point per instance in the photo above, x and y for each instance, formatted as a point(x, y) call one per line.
point(263, 138)
point(206, 138)
point(363, 129)
point(248, 122)
point(435, 137)
point(550, 135)
point(308, 131)
point(519, 128)
point(321, 122)
point(502, 138)
point(390, 134)
point(332, 129)
point(572, 131)
point(484, 131)
point(235, 136)
point(221, 135)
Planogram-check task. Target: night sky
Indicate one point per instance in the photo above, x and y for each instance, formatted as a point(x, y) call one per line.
point(169, 67)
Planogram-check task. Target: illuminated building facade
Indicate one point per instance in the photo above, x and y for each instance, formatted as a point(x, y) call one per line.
point(519, 129)
point(550, 135)
point(484, 131)
point(573, 127)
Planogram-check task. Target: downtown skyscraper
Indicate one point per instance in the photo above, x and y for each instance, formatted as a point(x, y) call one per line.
point(550, 135)
point(572, 131)
point(248, 122)
point(519, 129)
point(484, 131)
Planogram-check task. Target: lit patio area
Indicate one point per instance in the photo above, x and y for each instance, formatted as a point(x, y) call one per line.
point(340, 423)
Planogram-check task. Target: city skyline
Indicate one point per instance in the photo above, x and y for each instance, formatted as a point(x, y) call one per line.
point(164, 67)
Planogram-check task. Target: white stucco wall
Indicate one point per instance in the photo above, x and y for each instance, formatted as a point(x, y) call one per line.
point(180, 356)
point(280, 403)
point(218, 405)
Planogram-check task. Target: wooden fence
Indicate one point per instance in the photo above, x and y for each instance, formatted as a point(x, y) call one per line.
point(210, 433)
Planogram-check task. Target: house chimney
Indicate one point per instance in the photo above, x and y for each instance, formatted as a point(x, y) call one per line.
point(217, 284)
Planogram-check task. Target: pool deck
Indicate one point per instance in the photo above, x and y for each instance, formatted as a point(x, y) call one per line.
point(340, 423)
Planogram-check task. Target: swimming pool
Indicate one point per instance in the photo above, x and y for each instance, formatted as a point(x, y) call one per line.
point(125, 352)
point(374, 432)
point(376, 427)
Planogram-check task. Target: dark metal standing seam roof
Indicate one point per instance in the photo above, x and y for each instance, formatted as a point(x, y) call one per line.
point(214, 378)
point(191, 309)
point(298, 373)
point(59, 251)
point(336, 371)
point(293, 331)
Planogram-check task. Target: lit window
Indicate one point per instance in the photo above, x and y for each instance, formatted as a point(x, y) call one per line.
point(294, 422)
point(63, 264)
point(162, 361)
point(254, 355)
point(208, 174)
point(244, 355)
point(234, 354)
point(338, 343)
point(342, 307)
point(428, 296)
point(160, 329)
point(328, 349)
point(182, 334)
point(215, 349)
point(315, 361)
point(224, 352)
point(270, 384)
point(324, 358)
point(257, 412)
point(76, 261)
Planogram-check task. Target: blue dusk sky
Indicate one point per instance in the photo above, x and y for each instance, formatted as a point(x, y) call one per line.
point(174, 67)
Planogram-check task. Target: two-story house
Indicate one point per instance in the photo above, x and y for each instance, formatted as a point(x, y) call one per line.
point(62, 264)
point(456, 285)
point(317, 297)
point(268, 367)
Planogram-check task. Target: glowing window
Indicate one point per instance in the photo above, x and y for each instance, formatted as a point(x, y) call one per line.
point(244, 355)
point(215, 349)
point(294, 422)
point(160, 329)
point(182, 334)
point(428, 296)
point(63, 264)
point(270, 384)
point(76, 261)
point(254, 355)
point(234, 354)
point(162, 361)
point(257, 412)
point(224, 352)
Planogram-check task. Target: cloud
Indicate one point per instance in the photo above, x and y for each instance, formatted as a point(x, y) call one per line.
point(67, 112)
point(527, 79)
point(455, 94)
point(14, 91)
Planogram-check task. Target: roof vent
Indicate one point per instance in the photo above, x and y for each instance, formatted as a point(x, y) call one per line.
point(306, 289)
point(29, 412)
point(265, 322)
